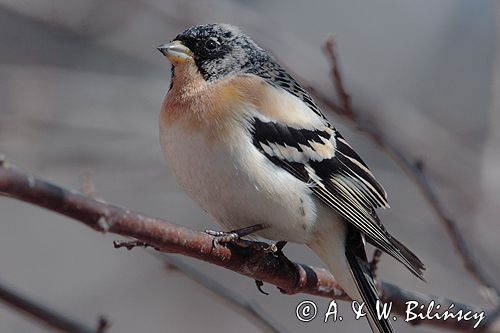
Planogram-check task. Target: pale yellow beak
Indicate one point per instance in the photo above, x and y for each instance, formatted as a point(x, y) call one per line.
point(176, 52)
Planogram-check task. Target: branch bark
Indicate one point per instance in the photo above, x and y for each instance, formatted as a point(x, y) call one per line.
point(288, 276)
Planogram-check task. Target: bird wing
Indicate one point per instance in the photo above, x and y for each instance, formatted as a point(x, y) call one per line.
point(337, 176)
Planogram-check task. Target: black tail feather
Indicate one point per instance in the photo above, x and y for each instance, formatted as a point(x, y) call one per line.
point(360, 270)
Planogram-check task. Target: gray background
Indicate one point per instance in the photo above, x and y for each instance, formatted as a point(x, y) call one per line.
point(81, 85)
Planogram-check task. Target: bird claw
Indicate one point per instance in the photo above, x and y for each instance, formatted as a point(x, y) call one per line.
point(234, 236)
point(259, 285)
point(222, 237)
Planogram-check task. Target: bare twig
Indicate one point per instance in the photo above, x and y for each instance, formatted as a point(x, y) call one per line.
point(413, 168)
point(268, 267)
point(249, 310)
point(344, 97)
point(48, 316)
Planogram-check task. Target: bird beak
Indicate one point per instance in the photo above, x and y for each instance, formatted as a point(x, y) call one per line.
point(176, 52)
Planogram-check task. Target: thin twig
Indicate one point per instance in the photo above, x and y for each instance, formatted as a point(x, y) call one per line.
point(249, 310)
point(288, 276)
point(413, 169)
point(344, 97)
point(48, 316)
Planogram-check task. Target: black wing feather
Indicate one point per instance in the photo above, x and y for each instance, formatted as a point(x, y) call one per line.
point(342, 181)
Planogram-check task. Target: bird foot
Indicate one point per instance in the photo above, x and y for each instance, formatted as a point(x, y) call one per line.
point(222, 237)
point(235, 236)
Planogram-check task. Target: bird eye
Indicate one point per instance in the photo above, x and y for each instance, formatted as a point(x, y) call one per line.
point(211, 44)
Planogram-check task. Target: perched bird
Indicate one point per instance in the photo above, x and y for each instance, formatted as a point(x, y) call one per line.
point(253, 149)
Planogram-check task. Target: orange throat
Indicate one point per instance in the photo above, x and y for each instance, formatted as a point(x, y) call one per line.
point(186, 94)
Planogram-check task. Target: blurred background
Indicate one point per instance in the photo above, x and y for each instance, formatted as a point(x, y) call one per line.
point(81, 84)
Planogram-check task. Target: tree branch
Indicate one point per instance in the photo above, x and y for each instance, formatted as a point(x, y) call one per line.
point(47, 316)
point(414, 169)
point(289, 277)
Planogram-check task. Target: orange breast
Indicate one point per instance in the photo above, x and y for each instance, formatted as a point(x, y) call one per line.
point(217, 107)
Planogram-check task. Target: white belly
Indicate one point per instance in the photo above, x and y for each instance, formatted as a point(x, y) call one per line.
point(238, 186)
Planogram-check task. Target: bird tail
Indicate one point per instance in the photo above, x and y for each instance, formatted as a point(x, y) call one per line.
point(342, 250)
point(365, 285)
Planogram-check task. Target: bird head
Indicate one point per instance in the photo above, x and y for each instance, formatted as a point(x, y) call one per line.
point(217, 50)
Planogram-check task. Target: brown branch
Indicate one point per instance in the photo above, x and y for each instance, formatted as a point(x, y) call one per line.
point(344, 98)
point(165, 236)
point(289, 277)
point(413, 169)
point(48, 316)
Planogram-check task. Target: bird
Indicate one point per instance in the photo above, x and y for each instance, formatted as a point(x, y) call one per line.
point(253, 149)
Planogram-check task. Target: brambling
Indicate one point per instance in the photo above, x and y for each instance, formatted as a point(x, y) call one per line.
point(253, 149)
